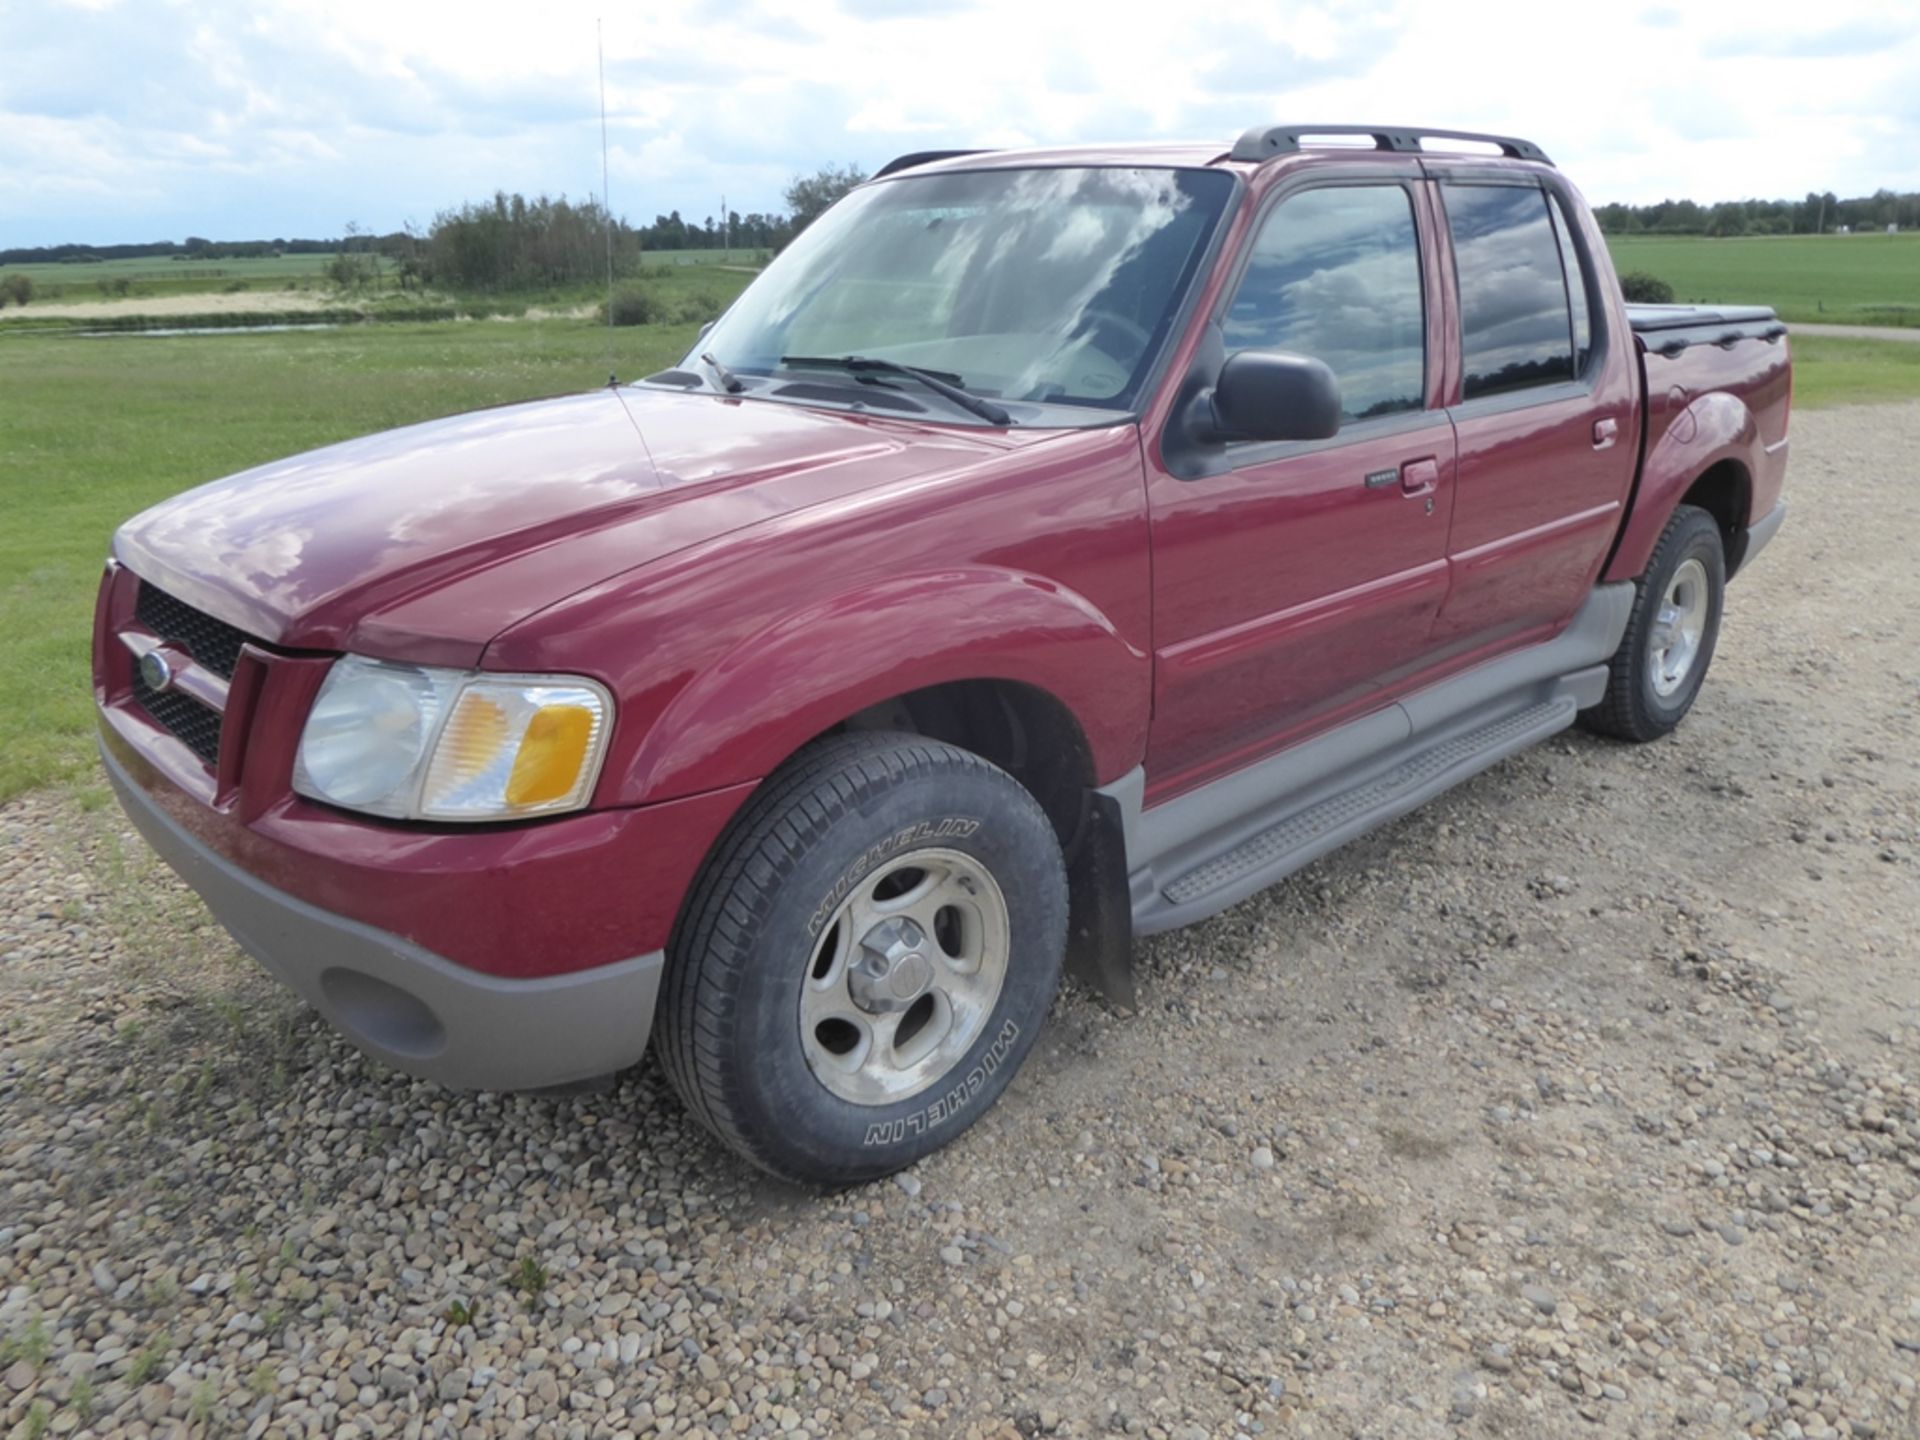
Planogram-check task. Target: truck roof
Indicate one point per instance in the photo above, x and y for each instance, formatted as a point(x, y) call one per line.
point(1256, 146)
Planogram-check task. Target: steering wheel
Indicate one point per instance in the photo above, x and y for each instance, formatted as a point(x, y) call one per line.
point(1096, 319)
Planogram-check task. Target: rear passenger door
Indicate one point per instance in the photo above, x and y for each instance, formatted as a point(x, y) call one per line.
point(1542, 404)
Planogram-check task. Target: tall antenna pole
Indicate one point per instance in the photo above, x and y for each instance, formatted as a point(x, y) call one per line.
point(606, 195)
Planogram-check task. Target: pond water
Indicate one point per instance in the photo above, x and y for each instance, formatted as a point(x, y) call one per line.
point(199, 330)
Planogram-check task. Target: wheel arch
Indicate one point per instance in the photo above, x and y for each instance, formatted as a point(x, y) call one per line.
point(1707, 457)
point(1025, 730)
point(1004, 660)
point(1725, 491)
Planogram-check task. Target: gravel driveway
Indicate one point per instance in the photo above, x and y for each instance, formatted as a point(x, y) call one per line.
point(1584, 1101)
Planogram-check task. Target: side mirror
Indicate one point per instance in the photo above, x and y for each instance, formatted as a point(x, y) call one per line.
point(1268, 395)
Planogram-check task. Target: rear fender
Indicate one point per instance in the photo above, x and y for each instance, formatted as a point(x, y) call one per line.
point(760, 702)
point(1712, 429)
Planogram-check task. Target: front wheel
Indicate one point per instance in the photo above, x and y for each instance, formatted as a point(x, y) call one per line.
point(866, 959)
point(1657, 672)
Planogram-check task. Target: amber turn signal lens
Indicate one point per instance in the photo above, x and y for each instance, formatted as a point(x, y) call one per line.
point(517, 745)
point(553, 751)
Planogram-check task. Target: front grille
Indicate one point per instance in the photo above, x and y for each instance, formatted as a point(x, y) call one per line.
point(215, 648)
point(214, 644)
point(195, 725)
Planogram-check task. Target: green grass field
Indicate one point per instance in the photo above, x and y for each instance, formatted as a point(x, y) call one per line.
point(1853, 372)
point(93, 430)
point(1843, 279)
point(57, 283)
point(271, 267)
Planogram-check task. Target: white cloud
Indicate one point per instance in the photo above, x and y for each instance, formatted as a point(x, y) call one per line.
point(240, 118)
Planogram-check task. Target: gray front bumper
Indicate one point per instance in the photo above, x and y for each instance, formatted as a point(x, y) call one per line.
point(413, 1009)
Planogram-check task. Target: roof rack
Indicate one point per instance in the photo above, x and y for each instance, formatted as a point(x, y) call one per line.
point(921, 157)
point(1263, 142)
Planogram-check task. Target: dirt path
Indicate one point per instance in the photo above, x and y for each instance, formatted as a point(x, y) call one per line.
point(1583, 1102)
point(1860, 332)
point(196, 303)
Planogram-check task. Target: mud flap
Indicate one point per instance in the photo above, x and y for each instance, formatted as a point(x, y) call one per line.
point(1100, 922)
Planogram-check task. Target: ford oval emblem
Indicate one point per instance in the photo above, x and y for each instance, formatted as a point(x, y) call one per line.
point(155, 673)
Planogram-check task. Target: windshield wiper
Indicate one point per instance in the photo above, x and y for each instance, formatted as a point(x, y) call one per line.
point(729, 381)
point(937, 381)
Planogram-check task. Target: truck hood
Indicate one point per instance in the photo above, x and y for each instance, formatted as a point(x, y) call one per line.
point(424, 543)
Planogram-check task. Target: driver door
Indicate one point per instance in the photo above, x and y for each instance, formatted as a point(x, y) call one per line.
point(1296, 588)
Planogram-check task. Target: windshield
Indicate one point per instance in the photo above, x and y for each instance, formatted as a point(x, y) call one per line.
point(1052, 286)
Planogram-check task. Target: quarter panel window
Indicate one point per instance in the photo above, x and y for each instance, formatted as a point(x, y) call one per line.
point(1576, 288)
point(1335, 274)
point(1515, 327)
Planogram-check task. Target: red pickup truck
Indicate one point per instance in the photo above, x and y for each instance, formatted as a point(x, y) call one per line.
point(1050, 547)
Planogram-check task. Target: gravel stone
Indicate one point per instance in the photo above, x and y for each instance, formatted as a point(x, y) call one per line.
point(1522, 1064)
point(1541, 1298)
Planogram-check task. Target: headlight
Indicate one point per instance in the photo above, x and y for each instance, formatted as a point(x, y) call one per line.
point(419, 743)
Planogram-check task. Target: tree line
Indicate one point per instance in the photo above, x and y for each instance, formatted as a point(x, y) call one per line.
point(509, 242)
point(1817, 214)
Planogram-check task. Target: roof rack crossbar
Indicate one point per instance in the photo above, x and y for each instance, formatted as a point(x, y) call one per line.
point(1263, 142)
point(921, 157)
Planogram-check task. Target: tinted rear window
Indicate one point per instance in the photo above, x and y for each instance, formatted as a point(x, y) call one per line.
point(1515, 327)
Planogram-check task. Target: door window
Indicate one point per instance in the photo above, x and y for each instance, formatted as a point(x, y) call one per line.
point(1516, 329)
point(1335, 274)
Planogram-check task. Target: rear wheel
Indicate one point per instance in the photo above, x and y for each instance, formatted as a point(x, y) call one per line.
point(1662, 661)
point(866, 959)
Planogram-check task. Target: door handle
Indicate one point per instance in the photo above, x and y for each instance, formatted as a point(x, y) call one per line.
point(1605, 432)
point(1420, 477)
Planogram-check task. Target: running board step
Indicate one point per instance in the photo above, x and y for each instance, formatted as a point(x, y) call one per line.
point(1303, 836)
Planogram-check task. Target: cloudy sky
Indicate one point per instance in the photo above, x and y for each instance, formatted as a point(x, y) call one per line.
point(144, 119)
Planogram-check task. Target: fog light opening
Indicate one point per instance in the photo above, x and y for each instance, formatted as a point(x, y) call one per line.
point(383, 1014)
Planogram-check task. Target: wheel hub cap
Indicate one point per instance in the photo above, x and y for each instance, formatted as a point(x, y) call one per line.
point(904, 976)
point(892, 970)
point(1679, 628)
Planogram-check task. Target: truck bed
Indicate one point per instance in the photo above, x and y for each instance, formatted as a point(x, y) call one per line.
point(1717, 384)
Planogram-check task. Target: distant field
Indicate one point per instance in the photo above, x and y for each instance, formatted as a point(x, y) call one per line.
point(1848, 279)
point(169, 277)
point(300, 280)
point(741, 255)
point(161, 267)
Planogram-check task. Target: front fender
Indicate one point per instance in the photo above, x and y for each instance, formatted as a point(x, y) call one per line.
point(768, 695)
point(1714, 428)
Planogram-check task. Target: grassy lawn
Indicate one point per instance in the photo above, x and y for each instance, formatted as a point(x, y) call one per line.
point(1844, 279)
point(93, 430)
point(1853, 372)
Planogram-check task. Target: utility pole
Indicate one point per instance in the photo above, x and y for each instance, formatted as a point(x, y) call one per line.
point(726, 227)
